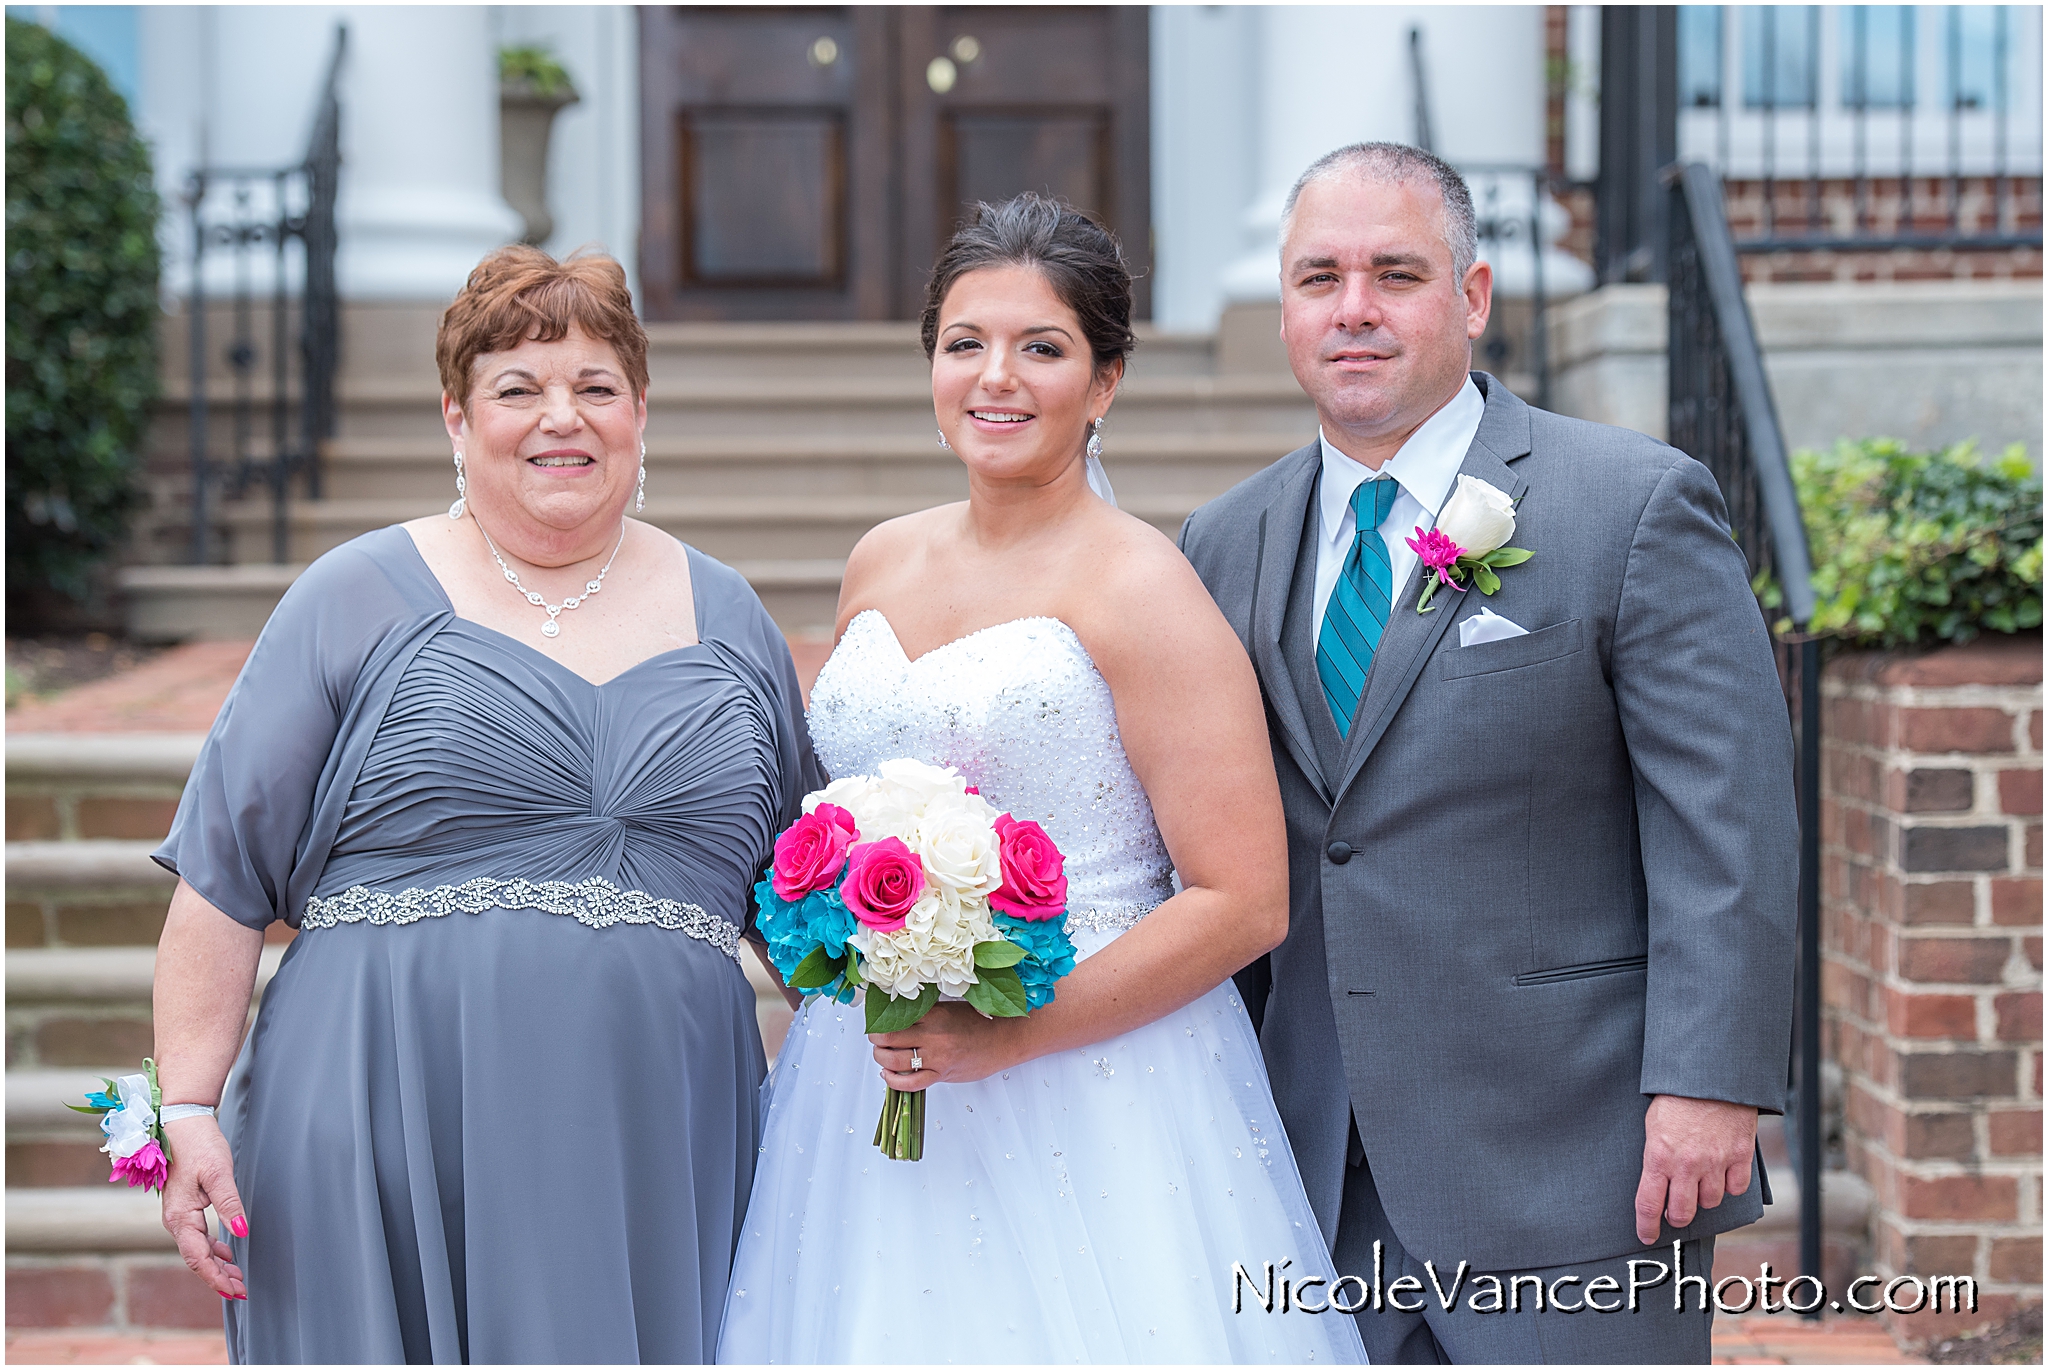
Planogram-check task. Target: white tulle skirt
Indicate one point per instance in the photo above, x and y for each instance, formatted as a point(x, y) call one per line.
point(1087, 1206)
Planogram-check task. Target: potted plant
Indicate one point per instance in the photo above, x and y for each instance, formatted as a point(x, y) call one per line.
point(533, 87)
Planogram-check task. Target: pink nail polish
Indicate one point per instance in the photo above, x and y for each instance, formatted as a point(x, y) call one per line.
point(239, 1226)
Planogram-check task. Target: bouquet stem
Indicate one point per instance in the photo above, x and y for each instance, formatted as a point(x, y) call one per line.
point(900, 1132)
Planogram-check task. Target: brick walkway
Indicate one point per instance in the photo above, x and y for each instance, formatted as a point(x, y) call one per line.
point(1786, 1339)
point(181, 691)
point(1737, 1341)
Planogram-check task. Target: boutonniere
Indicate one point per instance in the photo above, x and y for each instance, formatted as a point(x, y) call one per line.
point(1468, 541)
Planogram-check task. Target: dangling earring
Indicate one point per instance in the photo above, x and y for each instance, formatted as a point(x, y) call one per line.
point(640, 494)
point(1095, 439)
point(942, 440)
point(461, 489)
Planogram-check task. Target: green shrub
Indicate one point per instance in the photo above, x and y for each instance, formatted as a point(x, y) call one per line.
point(535, 67)
point(81, 311)
point(1916, 548)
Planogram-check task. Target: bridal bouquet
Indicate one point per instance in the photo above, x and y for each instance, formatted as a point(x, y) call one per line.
point(135, 1134)
point(907, 886)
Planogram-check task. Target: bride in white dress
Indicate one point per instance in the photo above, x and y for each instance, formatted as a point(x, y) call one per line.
point(1093, 1173)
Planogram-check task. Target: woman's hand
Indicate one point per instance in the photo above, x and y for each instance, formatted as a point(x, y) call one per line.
point(202, 1173)
point(954, 1044)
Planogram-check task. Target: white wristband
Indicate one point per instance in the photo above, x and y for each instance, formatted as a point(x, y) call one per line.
point(171, 1113)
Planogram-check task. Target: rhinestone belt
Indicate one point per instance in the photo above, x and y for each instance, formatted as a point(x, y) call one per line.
point(595, 903)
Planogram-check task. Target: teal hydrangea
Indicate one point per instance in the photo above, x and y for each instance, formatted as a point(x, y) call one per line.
point(1049, 954)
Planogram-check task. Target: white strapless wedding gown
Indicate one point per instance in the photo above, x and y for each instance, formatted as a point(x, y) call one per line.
point(1086, 1206)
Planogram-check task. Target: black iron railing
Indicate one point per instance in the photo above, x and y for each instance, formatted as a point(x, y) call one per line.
point(1722, 413)
point(249, 215)
point(1837, 128)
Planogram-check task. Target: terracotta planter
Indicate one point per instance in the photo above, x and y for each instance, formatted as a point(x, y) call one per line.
point(526, 121)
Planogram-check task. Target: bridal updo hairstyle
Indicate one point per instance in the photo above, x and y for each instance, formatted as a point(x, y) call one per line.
point(521, 294)
point(1078, 257)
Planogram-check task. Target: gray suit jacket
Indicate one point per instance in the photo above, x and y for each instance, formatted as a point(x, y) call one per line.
point(1573, 865)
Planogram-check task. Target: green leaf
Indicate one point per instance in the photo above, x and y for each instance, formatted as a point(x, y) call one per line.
point(999, 994)
point(990, 955)
point(85, 1108)
point(887, 1013)
point(1506, 556)
point(1485, 580)
point(1428, 591)
point(816, 970)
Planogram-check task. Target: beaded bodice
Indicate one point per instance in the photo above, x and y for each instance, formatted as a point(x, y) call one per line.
point(1021, 711)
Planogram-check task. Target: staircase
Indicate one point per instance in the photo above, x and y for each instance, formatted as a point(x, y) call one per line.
point(772, 447)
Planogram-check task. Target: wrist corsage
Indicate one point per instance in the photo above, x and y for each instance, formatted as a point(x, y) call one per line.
point(132, 1117)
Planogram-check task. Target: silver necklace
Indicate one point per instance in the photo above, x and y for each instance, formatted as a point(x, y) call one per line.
point(552, 628)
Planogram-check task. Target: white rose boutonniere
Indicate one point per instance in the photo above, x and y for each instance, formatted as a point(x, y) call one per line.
point(1468, 541)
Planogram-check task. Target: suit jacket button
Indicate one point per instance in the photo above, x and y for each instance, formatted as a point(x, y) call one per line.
point(1340, 852)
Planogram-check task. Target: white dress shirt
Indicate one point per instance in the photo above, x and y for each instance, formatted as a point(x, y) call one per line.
point(1426, 467)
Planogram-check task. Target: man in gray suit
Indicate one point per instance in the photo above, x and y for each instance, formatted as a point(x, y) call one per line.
point(1538, 978)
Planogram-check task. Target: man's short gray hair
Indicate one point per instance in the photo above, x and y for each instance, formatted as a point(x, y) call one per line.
point(1385, 162)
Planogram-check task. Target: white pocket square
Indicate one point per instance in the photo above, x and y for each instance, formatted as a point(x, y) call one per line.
point(1487, 626)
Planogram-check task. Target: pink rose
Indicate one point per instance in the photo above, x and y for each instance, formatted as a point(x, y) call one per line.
point(883, 880)
point(810, 854)
point(146, 1167)
point(1034, 873)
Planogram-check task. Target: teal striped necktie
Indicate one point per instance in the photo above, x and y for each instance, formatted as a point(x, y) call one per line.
point(1360, 604)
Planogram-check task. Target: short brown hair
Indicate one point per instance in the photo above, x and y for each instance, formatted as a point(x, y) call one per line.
point(520, 293)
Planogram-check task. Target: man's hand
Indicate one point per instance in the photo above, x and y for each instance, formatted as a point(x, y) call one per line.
point(1697, 1149)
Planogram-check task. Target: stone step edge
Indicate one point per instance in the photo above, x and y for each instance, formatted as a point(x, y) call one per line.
point(96, 863)
point(829, 510)
point(113, 1218)
point(67, 975)
point(866, 393)
point(851, 449)
point(126, 757)
point(268, 577)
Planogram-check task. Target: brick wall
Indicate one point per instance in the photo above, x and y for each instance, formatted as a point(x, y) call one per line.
point(1882, 207)
point(1931, 886)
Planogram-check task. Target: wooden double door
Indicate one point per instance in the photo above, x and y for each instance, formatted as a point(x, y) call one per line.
point(809, 162)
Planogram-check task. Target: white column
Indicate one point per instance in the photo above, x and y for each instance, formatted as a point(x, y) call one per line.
point(238, 86)
point(419, 146)
point(1343, 74)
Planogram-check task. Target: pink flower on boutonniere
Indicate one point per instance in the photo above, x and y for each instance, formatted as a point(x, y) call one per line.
point(1439, 554)
point(1468, 540)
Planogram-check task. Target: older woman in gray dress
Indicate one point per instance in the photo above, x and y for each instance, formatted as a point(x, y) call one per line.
point(511, 773)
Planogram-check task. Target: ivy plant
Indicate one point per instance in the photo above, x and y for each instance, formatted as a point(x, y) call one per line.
point(82, 312)
point(1918, 548)
point(535, 68)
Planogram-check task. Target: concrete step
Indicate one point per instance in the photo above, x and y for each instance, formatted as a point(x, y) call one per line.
point(106, 864)
point(105, 1219)
point(813, 466)
point(69, 786)
point(769, 401)
point(229, 603)
point(764, 525)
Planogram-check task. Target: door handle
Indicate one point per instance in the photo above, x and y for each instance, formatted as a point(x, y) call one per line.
point(824, 52)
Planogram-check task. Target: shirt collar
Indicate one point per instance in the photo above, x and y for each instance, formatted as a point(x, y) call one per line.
point(1426, 466)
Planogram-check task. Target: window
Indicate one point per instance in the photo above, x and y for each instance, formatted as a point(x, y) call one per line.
point(1877, 56)
point(1973, 43)
point(1779, 66)
point(1699, 56)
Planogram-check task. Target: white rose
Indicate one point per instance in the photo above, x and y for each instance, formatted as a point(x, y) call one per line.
point(881, 809)
point(925, 781)
point(1478, 517)
point(957, 846)
point(845, 793)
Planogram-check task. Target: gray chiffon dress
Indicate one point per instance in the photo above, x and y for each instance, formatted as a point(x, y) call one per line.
point(499, 1103)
